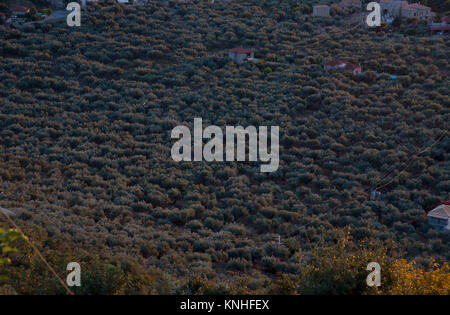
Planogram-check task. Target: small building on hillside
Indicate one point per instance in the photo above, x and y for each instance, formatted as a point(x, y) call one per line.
point(443, 27)
point(401, 8)
point(417, 10)
point(439, 217)
point(239, 55)
point(342, 65)
point(376, 195)
point(321, 10)
point(19, 11)
point(334, 64)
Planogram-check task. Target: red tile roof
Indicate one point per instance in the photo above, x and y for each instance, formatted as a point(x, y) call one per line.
point(20, 9)
point(320, 6)
point(418, 6)
point(347, 65)
point(334, 63)
point(447, 203)
point(241, 50)
point(440, 28)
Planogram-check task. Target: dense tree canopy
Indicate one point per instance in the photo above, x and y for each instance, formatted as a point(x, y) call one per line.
point(85, 121)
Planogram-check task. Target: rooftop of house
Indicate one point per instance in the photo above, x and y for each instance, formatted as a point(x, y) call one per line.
point(440, 28)
point(20, 9)
point(334, 62)
point(346, 65)
point(414, 6)
point(241, 50)
point(321, 6)
point(442, 211)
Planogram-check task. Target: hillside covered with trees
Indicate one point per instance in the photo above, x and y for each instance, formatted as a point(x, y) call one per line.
point(86, 115)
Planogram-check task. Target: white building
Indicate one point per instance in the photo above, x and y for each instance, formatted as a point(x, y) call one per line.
point(439, 217)
point(239, 55)
point(394, 8)
point(321, 10)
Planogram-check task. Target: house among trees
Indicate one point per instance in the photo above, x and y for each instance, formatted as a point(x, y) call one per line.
point(417, 10)
point(342, 65)
point(239, 55)
point(20, 11)
point(376, 195)
point(398, 8)
point(439, 217)
point(321, 10)
point(442, 27)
